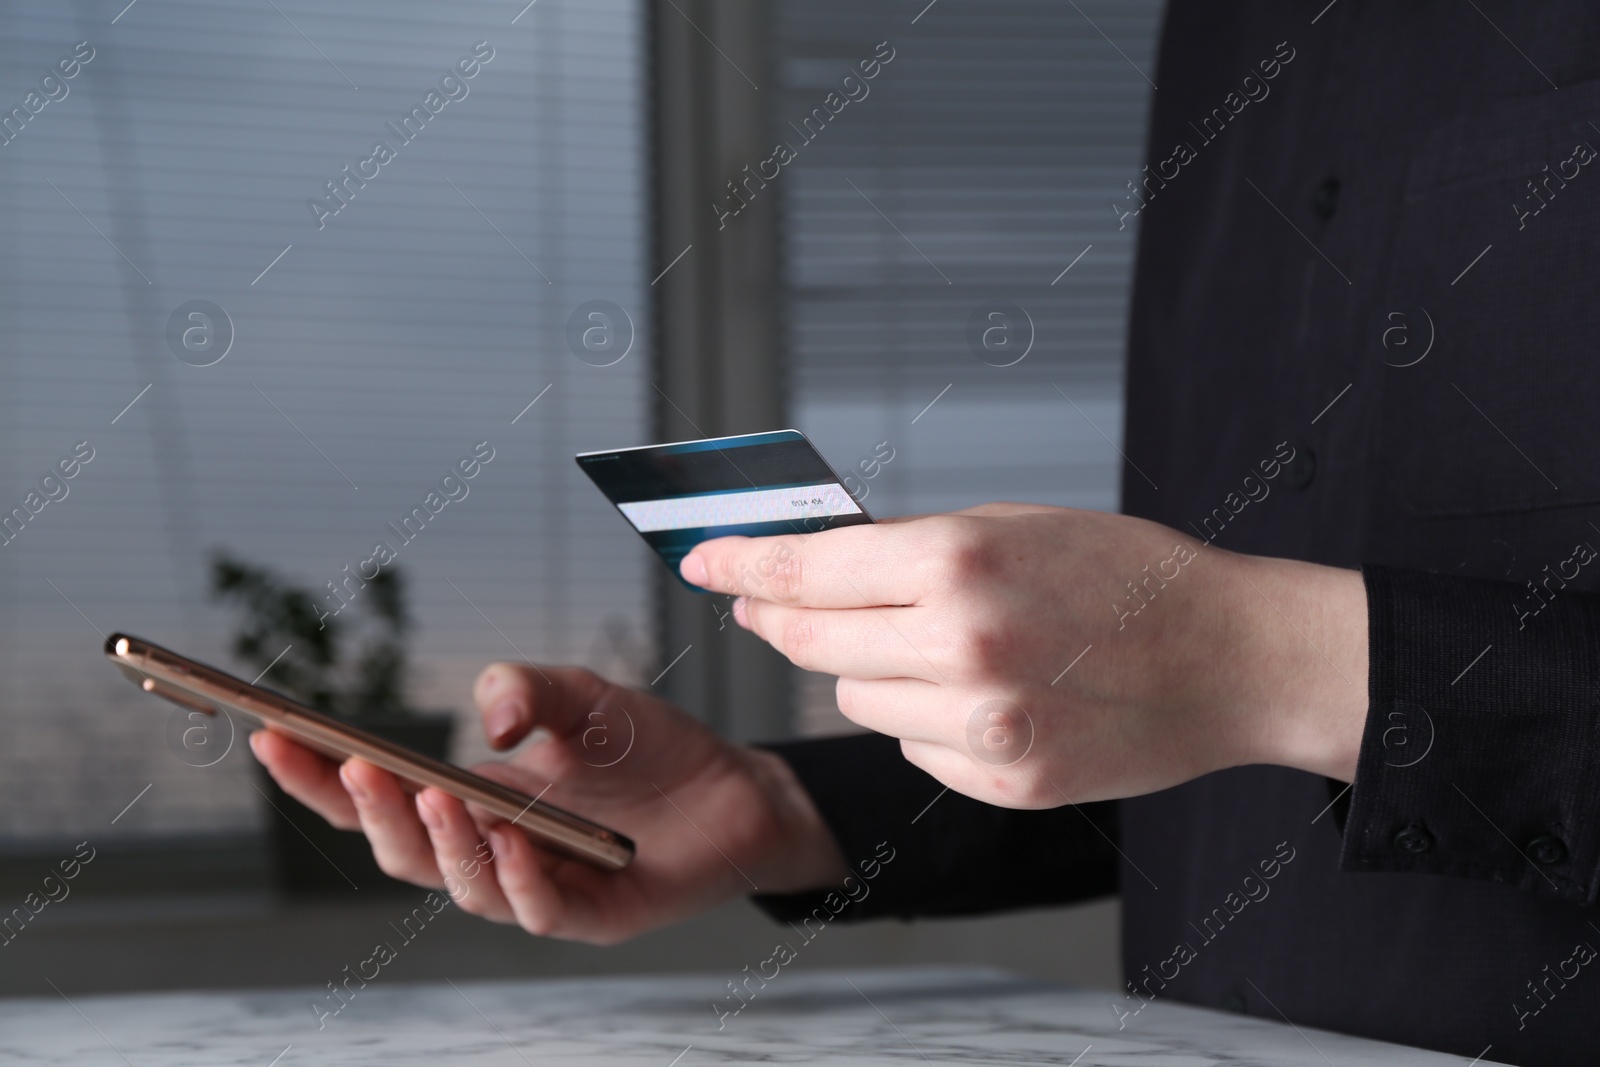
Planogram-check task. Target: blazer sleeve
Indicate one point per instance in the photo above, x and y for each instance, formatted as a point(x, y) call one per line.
point(1479, 755)
point(918, 849)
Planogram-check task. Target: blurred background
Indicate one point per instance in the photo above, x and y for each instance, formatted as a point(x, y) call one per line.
point(933, 287)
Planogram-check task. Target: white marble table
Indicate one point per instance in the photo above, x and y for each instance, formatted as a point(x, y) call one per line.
point(843, 1018)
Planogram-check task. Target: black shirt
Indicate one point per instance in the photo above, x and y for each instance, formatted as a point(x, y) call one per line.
point(1368, 240)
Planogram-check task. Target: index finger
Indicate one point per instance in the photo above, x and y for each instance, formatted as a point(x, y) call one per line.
point(847, 567)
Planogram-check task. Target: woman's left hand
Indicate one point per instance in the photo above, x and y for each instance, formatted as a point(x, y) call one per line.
point(1032, 656)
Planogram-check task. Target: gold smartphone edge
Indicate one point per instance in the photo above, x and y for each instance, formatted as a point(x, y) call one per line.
point(195, 685)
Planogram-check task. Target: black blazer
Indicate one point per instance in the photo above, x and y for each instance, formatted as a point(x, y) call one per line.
point(1369, 235)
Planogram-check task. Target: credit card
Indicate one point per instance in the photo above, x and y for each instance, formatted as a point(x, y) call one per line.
point(754, 485)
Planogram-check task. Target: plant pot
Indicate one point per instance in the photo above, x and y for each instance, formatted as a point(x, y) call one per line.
point(310, 857)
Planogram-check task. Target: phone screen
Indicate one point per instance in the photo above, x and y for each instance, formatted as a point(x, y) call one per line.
point(755, 485)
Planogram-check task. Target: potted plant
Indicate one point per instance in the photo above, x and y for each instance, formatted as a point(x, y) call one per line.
point(350, 666)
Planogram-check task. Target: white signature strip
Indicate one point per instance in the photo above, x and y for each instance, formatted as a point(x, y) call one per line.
point(731, 509)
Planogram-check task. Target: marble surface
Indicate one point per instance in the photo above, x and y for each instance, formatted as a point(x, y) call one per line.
point(904, 1017)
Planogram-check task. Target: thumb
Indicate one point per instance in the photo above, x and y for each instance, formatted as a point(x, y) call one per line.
point(516, 698)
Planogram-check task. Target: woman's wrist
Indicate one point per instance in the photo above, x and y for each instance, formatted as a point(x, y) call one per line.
point(800, 852)
point(1300, 655)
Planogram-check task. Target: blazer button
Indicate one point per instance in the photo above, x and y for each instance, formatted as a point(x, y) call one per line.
point(1300, 470)
point(1547, 850)
point(1413, 839)
point(1233, 1000)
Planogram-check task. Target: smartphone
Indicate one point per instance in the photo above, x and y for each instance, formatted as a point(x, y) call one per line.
point(755, 484)
point(201, 688)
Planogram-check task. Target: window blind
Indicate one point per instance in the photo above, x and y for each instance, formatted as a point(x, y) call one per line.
point(385, 311)
point(972, 175)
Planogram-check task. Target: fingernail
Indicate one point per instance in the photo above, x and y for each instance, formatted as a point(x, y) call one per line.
point(255, 748)
point(739, 612)
point(357, 793)
point(428, 813)
point(492, 682)
point(502, 718)
point(693, 569)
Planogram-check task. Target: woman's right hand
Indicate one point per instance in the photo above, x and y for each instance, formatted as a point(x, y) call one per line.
point(712, 820)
